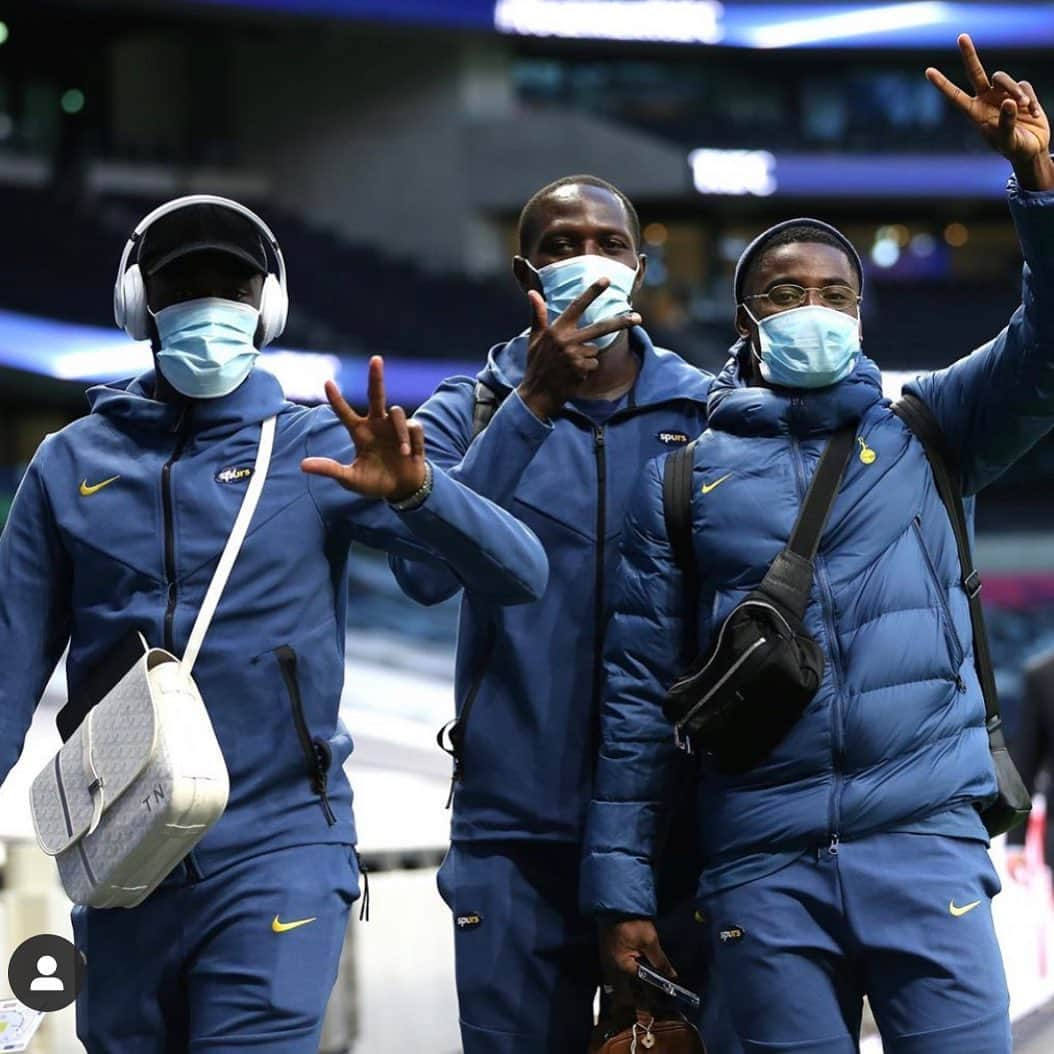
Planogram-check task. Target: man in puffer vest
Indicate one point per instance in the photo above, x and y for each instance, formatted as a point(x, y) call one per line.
point(852, 860)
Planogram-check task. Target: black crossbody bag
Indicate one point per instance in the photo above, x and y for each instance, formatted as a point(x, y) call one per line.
point(738, 701)
point(1012, 803)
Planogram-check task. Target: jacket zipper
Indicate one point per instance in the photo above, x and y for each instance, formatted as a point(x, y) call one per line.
point(170, 536)
point(950, 632)
point(730, 672)
point(837, 723)
point(598, 583)
point(314, 754)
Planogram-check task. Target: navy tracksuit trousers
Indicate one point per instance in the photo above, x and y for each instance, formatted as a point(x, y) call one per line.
point(527, 961)
point(242, 960)
point(904, 918)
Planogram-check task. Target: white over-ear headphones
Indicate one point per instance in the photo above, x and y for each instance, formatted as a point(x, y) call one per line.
point(130, 310)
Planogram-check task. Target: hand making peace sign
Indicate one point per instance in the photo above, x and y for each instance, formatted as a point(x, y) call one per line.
point(389, 450)
point(1007, 113)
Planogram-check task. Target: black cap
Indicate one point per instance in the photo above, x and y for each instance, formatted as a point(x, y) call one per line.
point(201, 228)
point(757, 246)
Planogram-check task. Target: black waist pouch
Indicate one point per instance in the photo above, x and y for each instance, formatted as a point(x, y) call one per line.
point(739, 700)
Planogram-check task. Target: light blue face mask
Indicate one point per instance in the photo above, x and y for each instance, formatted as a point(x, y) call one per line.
point(566, 280)
point(808, 347)
point(207, 345)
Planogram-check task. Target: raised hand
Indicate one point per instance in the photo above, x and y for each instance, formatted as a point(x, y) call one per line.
point(1007, 113)
point(389, 450)
point(559, 355)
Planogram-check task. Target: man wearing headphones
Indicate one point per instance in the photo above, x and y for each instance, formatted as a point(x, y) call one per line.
point(116, 530)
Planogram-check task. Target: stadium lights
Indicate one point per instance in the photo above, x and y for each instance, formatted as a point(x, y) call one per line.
point(865, 21)
point(733, 172)
point(668, 21)
point(72, 101)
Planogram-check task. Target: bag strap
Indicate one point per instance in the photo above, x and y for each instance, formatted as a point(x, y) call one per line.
point(789, 580)
point(677, 512)
point(816, 509)
point(233, 546)
point(948, 477)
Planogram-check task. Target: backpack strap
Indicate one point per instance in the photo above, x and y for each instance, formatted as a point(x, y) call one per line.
point(948, 478)
point(677, 512)
point(484, 407)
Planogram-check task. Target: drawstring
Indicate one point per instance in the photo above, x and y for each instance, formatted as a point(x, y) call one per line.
point(364, 911)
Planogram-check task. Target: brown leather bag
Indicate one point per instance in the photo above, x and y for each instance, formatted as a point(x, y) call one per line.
point(640, 1033)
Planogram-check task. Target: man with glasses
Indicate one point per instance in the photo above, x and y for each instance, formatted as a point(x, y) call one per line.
point(852, 859)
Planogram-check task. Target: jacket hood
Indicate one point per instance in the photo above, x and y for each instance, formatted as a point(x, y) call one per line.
point(664, 375)
point(734, 406)
point(258, 397)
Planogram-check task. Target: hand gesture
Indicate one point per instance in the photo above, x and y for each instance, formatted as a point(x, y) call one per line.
point(1007, 113)
point(389, 450)
point(559, 355)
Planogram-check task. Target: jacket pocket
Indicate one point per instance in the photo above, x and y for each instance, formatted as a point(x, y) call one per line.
point(955, 646)
point(317, 753)
point(457, 730)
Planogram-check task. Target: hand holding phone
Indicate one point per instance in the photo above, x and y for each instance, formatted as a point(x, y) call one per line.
point(652, 977)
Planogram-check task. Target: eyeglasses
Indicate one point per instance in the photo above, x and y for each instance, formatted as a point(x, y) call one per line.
point(839, 297)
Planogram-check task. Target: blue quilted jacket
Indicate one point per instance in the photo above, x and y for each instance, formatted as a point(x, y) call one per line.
point(894, 739)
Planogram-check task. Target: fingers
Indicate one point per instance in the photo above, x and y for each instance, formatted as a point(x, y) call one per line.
point(1007, 122)
point(340, 405)
point(417, 440)
point(376, 397)
point(583, 300)
point(610, 325)
point(402, 431)
point(657, 958)
point(972, 64)
point(1033, 99)
point(539, 316)
point(1014, 90)
point(951, 92)
point(323, 466)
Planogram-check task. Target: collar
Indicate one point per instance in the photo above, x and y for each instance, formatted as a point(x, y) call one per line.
point(258, 397)
point(664, 376)
point(734, 406)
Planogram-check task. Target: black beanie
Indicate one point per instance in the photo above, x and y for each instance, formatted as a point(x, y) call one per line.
point(758, 245)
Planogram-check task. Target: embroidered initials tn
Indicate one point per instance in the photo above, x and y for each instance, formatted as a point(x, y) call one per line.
point(707, 487)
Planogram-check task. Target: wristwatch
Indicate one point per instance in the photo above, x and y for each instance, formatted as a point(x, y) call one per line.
point(419, 496)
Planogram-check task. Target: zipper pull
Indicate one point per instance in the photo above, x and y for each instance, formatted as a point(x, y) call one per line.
point(960, 684)
point(364, 871)
point(455, 779)
point(833, 847)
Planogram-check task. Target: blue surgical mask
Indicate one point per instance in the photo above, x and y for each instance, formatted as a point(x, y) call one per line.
point(207, 345)
point(807, 347)
point(566, 280)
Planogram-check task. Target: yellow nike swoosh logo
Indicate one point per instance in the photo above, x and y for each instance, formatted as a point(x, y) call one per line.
point(707, 487)
point(87, 492)
point(964, 909)
point(282, 927)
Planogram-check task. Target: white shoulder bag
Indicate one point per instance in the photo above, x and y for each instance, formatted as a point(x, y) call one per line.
point(142, 779)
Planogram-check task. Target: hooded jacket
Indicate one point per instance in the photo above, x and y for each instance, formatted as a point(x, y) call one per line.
point(528, 682)
point(117, 528)
point(894, 739)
